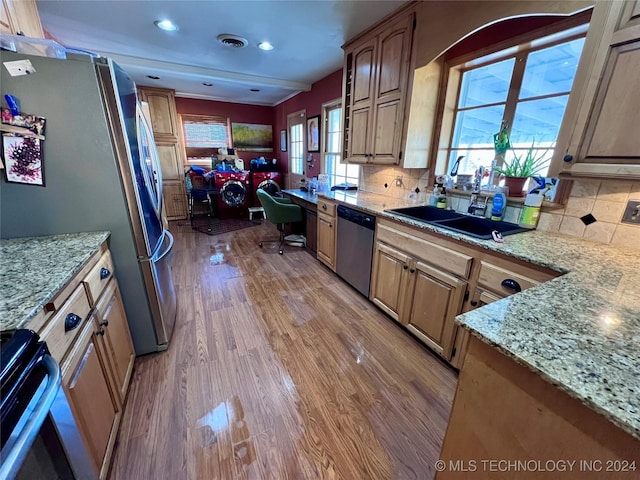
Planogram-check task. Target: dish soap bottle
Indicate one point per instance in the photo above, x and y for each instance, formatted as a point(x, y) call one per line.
point(499, 204)
point(531, 211)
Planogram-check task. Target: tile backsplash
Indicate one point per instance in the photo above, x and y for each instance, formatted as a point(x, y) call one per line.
point(604, 199)
point(373, 180)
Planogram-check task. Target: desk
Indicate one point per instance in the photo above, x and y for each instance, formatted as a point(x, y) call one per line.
point(309, 203)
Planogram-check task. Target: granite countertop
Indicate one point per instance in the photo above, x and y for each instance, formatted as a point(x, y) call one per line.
point(580, 331)
point(34, 269)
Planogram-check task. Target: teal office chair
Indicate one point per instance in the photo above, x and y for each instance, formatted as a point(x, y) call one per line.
point(279, 211)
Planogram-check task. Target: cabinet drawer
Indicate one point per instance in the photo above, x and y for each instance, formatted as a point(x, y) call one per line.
point(440, 256)
point(327, 208)
point(98, 277)
point(492, 277)
point(60, 336)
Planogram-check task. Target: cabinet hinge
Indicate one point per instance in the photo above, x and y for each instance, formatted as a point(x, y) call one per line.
point(466, 296)
point(453, 352)
point(400, 155)
point(414, 23)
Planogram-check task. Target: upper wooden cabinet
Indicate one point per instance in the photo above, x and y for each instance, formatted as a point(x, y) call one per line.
point(165, 126)
point(601, 134)
point(164, 117)
point(376, 79)
point(20, 16)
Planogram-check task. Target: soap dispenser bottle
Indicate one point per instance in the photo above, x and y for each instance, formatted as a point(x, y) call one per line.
point(531, 210)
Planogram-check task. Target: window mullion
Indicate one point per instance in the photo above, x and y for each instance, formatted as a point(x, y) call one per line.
point(514, 90)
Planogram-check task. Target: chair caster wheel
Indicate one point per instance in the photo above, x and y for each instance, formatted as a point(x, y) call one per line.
point(281, 252)
point(260, 244)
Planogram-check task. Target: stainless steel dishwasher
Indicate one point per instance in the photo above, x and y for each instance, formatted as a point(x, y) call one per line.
point(355, 247)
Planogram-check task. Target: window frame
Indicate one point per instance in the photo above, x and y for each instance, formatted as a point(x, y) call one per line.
point(198, 153)
point(517, 47)
point(296, 118)
point(326, 108)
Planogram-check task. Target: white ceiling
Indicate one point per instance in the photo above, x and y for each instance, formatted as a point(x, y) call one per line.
point(307, 35)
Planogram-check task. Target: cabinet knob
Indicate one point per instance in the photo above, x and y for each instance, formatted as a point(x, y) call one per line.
point(100, 332)
point(474, 303)
point(104, 273)
point(568, 158)
point(105, 323)
point(405, 267)
point(71, 321)
point(413, 270)
point(511, 284)
point(324, 206)
point(330, 226)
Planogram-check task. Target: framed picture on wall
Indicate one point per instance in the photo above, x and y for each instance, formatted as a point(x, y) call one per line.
point(23, 160)
point(313, 134)
point(283, 140)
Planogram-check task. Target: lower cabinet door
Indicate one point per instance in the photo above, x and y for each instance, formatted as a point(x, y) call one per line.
point(326, 241)
point(92, 402)
point(114, 329)
point(389, 279)
point(437, 299)
point(175, 200)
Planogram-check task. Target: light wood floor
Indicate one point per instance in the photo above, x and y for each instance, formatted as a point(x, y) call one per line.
point(278, 369)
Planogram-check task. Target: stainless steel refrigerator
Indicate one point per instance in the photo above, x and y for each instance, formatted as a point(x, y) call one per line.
point(101, 172)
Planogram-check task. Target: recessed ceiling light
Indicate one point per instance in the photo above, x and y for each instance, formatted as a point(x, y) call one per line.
point(207, 84)
point(153, 77)
point(166, 25)
point(255, 89)
point(265, 46)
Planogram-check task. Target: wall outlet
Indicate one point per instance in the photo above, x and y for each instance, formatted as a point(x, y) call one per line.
point(632, 212)
point(399, 181)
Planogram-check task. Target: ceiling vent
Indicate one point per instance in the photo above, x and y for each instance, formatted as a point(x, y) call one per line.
point(234, 41)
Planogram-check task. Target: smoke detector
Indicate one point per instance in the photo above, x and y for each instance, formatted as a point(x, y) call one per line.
point(234, 41)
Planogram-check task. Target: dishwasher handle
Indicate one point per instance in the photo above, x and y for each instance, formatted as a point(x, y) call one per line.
point(359, 218)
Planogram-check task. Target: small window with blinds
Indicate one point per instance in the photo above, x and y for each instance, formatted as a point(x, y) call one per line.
point(204, 135)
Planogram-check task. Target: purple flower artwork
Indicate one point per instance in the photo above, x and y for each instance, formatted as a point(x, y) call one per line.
point(23, 160)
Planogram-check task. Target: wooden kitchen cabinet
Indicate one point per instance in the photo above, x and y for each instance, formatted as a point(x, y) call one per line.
point(327, 240)
point(498, 278)
point(602, 120)
point(20, 17)
point(165, 127)
point(327, 233)
point(164, 116)
point(170, 161)
point(117, 346)
point(96, 356)
point(375, 84)
point(95, 407)
point(421, 285)
point(388, 279)
point(174, 196)
point(436, 300)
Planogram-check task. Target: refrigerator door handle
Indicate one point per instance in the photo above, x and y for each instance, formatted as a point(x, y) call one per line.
point(166, 252)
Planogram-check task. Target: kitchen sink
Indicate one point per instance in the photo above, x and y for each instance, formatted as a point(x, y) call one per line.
point(458, 222)
point(426, 213)
point(479, 227)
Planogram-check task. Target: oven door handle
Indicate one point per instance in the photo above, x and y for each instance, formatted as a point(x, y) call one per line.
point(20, 448)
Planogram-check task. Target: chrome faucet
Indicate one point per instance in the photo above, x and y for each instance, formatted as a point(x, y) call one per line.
point(476, 206)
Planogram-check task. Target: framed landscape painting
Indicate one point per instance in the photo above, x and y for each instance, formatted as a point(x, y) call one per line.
point(252, 138)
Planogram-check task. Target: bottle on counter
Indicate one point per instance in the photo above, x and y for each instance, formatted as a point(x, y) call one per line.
point(531, 210)
point(433, 199)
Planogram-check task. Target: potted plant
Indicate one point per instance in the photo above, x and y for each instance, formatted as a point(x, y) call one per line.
point(521, 167)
